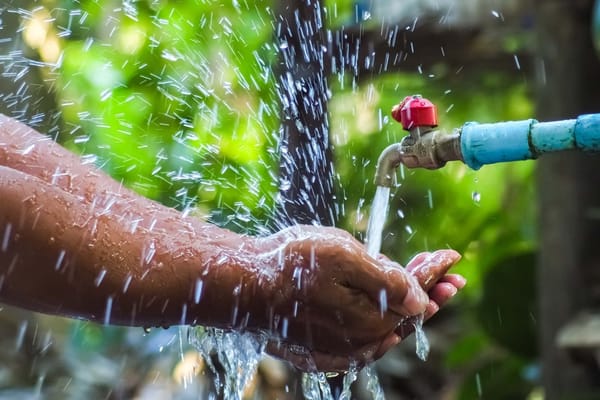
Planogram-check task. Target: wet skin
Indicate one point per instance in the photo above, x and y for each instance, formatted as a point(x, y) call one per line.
point(74, 242)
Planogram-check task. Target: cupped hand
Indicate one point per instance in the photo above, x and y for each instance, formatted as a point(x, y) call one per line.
point(333, 306)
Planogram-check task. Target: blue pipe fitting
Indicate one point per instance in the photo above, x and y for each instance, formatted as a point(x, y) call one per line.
point(587, 132)
point(483, 144)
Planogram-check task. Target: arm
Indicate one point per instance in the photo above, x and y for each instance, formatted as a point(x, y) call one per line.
point(77, 243)
point(63, 256)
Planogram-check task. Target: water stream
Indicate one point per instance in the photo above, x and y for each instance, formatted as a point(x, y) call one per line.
point(378, 216)
point(379, 212)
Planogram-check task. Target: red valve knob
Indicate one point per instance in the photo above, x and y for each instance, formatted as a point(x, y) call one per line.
point(415, 111)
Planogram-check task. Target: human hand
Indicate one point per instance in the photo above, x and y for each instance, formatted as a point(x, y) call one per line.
point(334, 306)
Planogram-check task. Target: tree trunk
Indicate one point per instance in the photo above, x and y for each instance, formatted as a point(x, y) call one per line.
point(569, 191)
point(306, 168)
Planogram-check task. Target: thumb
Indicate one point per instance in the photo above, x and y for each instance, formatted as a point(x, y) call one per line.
point(390, 286)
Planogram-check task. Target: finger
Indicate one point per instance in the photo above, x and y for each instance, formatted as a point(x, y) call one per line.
point(391, 288)
point(417, 260)
point(427, 266)
point(432, 267)
point(432, 308)
point(458, 281)
point(439, 295)
point(442, 292)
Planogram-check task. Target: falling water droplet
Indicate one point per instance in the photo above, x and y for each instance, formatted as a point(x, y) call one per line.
point(198, 290)
point(517, 63)
point(100, 277)
point(297, 277)
point(284, 328)
point(59, 260)
point(285, 184)
point(6, 237)
point(108, 310)
point(21, 334)
point(127, 282)
point(383, 304)
point(476, 197)
point(183, 314)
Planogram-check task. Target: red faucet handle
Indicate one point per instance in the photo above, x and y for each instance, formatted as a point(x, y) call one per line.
point(415, 111)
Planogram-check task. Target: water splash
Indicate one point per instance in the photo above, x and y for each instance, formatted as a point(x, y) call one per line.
point(237, 353)
point(373, 384)
point(316, 387)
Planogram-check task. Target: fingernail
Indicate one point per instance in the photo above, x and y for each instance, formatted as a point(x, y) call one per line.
point(460, 281)
point(447, 255)
point(453, 290)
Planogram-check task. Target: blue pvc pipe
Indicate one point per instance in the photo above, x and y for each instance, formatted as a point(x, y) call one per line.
point(523, 140)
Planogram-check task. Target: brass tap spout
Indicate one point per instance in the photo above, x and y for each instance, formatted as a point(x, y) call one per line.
point(423, 148)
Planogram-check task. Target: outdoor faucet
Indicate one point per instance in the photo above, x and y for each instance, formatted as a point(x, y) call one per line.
point(424, 147)
point(478, 144)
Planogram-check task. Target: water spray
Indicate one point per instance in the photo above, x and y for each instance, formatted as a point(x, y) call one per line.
point(478, 144)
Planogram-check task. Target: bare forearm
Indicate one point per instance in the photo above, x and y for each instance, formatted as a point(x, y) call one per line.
point(63, 256)
point(26, 150)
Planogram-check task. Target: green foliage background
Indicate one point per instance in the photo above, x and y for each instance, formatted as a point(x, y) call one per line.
point(177, 99)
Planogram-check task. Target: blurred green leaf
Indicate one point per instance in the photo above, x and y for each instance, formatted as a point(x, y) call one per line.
point(498, 380)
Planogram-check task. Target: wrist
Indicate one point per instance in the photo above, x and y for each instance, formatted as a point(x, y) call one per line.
point(232, 287)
